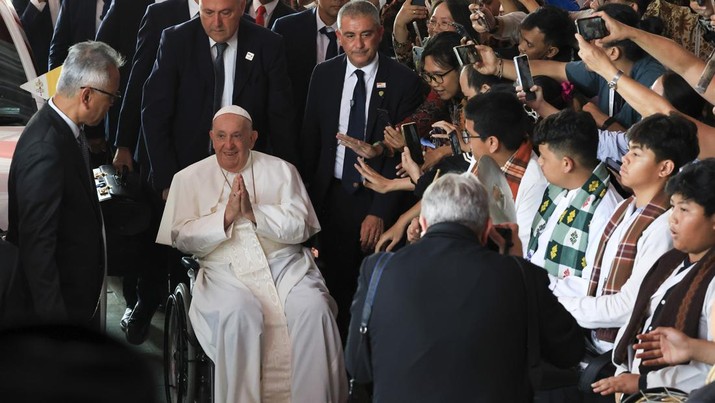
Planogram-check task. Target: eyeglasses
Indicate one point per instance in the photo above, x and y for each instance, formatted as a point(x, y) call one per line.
point(466, 136)
point(442, 25)
point(437, 78)
point(114, 97)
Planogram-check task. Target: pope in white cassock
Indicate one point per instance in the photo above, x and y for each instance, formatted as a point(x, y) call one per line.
point(260, 307)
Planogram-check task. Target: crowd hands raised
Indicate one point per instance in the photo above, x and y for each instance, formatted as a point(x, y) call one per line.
point(627, 251)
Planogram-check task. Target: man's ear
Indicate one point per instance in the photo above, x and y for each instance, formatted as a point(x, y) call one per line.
point(423, 223)
point(567, 164)
point(666, 168)
point(493, 144)
point(614, 53)
point(551, 52)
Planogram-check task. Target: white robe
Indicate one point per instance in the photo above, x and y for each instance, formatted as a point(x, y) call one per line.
point(227, 317)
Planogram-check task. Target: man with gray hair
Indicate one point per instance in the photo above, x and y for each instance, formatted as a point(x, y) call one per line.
point(260, 308)
point(54, 213)
point(449, 316)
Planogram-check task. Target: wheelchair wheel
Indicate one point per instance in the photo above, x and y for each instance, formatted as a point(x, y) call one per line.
point(180, 353)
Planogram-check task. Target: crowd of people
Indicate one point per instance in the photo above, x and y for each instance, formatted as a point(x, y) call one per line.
point(321, 163)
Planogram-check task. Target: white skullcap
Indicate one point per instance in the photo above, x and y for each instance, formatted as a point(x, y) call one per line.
point(234, 109)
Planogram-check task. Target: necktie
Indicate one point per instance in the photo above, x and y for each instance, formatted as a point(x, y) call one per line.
point(356, 129)
point(219, 74)
point(261, 16)
point(219, 78)
point(332, 50)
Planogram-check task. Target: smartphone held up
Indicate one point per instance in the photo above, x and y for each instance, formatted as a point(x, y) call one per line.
point(524, 77)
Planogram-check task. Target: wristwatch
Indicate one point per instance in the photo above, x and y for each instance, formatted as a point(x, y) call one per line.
point(613, 84)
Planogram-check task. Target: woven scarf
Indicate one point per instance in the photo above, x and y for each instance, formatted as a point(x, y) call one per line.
point(622, 265)
point(565, 254)
point(515, 167)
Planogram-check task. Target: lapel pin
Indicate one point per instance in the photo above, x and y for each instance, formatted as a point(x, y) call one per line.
point(381, 93)
point(381, 85)
point(249, 56)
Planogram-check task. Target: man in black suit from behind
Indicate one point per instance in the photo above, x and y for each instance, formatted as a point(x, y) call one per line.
point(179, 95)
point(54, 213)
point(77, 21)
point(449, 317)
point(352, 217)
point(310, 39)
point(38, 21)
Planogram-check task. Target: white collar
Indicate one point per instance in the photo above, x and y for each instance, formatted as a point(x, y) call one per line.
point(232, 43)
point(369, 70)
point(73, 126)
point(193, 8)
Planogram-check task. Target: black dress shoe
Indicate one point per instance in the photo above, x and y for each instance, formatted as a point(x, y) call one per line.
point(139, 324)
point(125, 319)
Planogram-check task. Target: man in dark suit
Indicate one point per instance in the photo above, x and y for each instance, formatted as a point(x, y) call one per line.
point(119, 30)
point(78, 21)
point(158, 17)
point(180, 99)
point(38, 22)
point(355, 94)
point(54, 214)
point(266, 12)
point(449, 317)
point(310, 39)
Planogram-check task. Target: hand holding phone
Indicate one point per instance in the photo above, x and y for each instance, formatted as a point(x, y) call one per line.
point(591, 28)
point(523, 73)
point(467, 54)
point(412, 139)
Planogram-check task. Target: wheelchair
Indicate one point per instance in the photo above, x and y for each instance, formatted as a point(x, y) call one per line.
point(188, 372)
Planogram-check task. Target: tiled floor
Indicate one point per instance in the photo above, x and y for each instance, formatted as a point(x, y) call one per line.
point(152, 349)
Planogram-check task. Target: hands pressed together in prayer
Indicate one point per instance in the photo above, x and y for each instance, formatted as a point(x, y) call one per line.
point(239, 203)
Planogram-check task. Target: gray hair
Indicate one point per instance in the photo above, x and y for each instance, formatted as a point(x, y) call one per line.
point(359, 8)
point(87, 65)
point(457, 198)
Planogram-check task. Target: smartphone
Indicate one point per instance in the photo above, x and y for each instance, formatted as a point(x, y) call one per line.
point(412, 139)
point(613, 165)
point(591, 28)
point(467, 54)
point(459, 28)
point(523, 73)
point(418, 3)
point(454, 143)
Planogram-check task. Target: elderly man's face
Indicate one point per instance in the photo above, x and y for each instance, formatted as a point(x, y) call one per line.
point(232, 138)
point(99, 100)
point(360, 38)
point(220, 18)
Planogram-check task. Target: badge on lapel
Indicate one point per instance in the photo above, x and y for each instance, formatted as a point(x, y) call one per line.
point(249, 56)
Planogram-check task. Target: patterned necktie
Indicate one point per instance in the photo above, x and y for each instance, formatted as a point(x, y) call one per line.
point(261, 16)
point(219, 74)
point(332, 50)
point(356, 129)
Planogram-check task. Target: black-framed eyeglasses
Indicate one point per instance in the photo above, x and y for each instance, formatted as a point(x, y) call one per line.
point(466, 136)
point(437, 78)
point(115, 97)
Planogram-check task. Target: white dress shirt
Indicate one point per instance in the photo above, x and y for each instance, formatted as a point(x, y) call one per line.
point(193, 8)
point(321, 40)
point(573, 285)
point(348, 87)
point(685, 377)
point(229, 66)
point(528, 199)
point(73, 126)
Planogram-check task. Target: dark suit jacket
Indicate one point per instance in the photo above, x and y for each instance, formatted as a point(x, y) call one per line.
point(77, 22)
point(55, 221)
point(38, 28)
point(158, 17)
point(400, 96)
point(119, 30)
point(299, 32)
point(281, 10)
point(177, 108)
point(449, 321)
